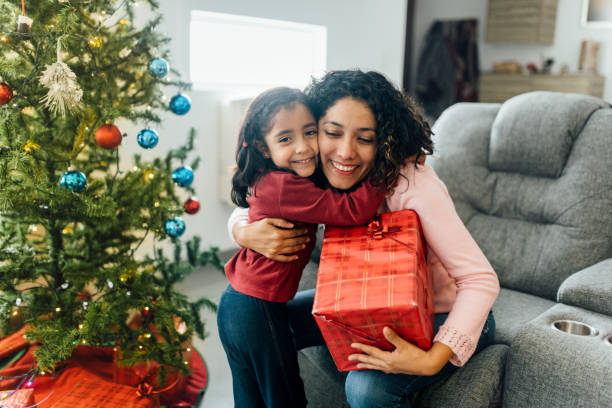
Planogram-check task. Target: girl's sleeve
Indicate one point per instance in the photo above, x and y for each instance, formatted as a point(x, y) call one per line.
point(239, 216)
point(477, 285)
point(299, 199)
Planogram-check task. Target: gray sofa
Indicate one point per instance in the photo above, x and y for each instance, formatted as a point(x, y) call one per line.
point(532, 181)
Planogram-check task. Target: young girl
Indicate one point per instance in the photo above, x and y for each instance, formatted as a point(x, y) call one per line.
point(277, 153)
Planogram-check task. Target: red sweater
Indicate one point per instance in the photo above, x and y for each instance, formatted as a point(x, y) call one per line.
point(281, 194)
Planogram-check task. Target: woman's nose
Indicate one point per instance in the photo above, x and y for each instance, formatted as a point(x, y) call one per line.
point(346, 149)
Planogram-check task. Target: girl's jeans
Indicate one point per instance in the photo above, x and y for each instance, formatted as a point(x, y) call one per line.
point(259, 344)
point(372, 388)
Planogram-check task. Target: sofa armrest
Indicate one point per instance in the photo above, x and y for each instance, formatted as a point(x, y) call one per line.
point(550, 368)
point(590, 288)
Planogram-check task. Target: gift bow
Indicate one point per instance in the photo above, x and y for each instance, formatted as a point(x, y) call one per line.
point(144, 389)
point(378, 231)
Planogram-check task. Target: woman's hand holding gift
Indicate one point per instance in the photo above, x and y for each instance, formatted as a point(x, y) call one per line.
point(405, 359)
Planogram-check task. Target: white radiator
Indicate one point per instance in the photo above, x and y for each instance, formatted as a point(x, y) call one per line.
point(231, 114)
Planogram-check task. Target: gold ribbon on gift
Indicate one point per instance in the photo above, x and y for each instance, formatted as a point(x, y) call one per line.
point(378, 231)
point(144, 389)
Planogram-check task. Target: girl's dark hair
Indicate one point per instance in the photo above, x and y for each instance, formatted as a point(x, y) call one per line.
point(251, 163)
point(401, 131)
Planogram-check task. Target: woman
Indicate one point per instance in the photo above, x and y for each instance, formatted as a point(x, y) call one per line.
point(368, 129)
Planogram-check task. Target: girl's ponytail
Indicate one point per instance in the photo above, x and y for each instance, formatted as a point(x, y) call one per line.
point(250, 163)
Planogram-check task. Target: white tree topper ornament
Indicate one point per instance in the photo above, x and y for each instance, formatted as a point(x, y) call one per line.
point(64, 91)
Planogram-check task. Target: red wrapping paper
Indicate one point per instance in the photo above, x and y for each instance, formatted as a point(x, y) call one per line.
point(371, 277)
point(16, 399)
point(13, 342)
point(96, 363)
point(147, 372)
point(77, 388)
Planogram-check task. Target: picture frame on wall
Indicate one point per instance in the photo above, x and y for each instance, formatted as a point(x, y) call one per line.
point(597, 13)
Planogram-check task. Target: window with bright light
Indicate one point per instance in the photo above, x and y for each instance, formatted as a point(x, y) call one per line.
point(238, 52)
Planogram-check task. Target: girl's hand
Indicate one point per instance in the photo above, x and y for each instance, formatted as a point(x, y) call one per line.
point(274, 238)
point(405, 359)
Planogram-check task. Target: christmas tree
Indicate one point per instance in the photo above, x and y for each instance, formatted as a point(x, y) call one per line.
point(71, 218)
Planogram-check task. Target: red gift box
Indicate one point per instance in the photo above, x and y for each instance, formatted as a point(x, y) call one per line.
point(148, 371)
point(13, 342)
point(76, 388)
point(17, 399)
point(371, 277)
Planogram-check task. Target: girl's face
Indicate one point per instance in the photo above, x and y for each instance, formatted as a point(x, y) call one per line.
point(347, 142)
point(292, 140)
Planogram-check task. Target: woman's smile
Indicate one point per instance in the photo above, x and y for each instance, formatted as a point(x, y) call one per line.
point(343, 168)
point(347, 142)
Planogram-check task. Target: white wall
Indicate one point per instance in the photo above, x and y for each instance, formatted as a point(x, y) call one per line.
point(569, 33)
point(368, 34)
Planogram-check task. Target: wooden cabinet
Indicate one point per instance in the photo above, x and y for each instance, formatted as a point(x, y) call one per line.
point(500, 87)
point(521, 21)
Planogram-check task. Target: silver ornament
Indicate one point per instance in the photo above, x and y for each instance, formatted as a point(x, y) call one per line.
point(64, 91)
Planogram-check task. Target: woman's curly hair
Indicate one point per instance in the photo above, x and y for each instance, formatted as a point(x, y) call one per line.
point(401, 132)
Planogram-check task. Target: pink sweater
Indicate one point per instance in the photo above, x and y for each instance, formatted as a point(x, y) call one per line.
point(465, 284)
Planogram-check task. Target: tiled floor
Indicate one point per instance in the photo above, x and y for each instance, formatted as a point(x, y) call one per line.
point(210, 283)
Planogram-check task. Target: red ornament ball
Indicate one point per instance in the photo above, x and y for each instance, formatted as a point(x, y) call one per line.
point(6, 94)
point(192, 205)
point(147, 312)
point(83, 296)
point(108, 136)
point(31, 383)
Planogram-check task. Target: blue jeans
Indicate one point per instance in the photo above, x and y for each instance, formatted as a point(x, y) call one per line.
point(260, 350)
point(372, 388)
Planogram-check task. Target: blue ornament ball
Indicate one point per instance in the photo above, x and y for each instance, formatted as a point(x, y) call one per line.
point(175, 227)
point(180, 104)
point(158, 67)
point(147, 138)
point(183, 176)
point(73, 180)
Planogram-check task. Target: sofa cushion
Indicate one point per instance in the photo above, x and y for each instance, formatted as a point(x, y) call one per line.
point(513, 310)
point(533, 133)
point(309, 276)
point(536, 231)
point(477, 384)
point(323, 383)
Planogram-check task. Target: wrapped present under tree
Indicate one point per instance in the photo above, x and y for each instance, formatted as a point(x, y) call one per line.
point(17, 398)
point(371, 277)
point(96, 365)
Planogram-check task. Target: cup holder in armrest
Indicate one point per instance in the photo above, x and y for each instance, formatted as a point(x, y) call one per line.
point(574, 327)
point(608, 340)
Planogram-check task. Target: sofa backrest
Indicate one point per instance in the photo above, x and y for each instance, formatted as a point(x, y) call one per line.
point(532, 180)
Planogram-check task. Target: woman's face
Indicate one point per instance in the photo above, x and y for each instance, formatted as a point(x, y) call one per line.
point(347, 142)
